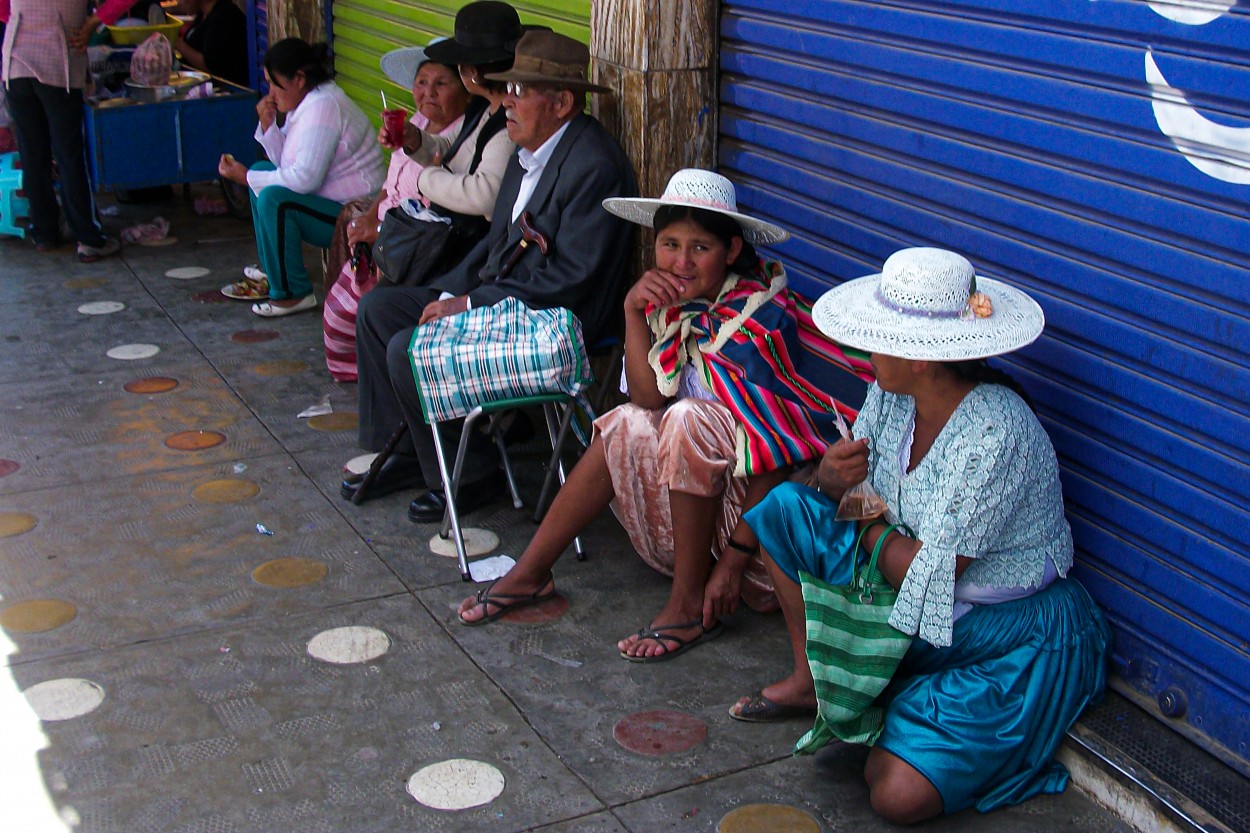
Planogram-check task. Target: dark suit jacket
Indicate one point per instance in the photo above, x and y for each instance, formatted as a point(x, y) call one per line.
point(586, 266)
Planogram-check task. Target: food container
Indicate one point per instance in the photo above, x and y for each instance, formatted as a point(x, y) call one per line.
point(135, 35)
point(179, 83)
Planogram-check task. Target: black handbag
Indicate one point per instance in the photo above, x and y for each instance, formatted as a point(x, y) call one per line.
point(408, 251)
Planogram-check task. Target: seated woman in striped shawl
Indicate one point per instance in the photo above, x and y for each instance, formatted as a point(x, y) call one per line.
point(719, 413)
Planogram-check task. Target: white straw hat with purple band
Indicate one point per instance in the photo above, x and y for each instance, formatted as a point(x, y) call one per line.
point(697, 188)
point(929, 305)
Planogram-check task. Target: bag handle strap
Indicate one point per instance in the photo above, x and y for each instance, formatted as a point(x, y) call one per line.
point(869, 583)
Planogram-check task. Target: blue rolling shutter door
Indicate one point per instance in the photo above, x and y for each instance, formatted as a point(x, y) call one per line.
point(1026, 137)
point(257, 42)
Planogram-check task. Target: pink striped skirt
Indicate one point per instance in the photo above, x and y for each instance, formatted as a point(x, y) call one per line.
point(338, 318)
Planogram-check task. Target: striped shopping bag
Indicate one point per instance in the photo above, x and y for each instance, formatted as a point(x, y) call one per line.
point(853, 651)
point(504, 351)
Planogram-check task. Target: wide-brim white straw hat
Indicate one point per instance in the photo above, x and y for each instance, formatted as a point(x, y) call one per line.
point(697, 188)
point(401, 65)
point(928, 304)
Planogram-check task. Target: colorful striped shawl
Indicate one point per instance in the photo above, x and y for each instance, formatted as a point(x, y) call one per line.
point(756, 349)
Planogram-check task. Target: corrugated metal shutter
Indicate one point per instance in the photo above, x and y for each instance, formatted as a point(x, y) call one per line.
point(1024, 136)
point(364, 30)
point(257, 43)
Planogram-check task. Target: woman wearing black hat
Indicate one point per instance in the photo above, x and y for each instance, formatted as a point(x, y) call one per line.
point(467, 182)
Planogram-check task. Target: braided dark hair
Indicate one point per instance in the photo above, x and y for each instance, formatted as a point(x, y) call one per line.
point(980, 370)
point(291, 56)
point(723, 228)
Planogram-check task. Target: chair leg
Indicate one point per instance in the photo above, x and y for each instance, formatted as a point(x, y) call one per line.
point(450, 517)
point(378, 462)
point(555, 467)
point(497, 435)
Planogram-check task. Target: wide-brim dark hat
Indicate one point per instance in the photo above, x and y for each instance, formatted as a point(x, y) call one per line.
point(486, 32)
point(545, 57)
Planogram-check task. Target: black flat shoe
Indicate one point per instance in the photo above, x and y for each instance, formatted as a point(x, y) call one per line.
point(399, 473)
point(429, 507)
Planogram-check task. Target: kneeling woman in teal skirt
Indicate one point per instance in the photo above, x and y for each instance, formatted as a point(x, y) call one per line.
point(323, 155)
point(1008, 651)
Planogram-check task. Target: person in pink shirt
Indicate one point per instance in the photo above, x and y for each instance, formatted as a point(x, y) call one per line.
point(45, 71)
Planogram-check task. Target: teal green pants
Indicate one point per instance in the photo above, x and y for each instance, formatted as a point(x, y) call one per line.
point(284, 219)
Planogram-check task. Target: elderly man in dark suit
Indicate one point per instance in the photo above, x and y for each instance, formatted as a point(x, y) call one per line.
point(566, 164)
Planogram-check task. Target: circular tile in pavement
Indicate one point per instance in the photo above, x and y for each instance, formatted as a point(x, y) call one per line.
point(101, 307)
point(477, 541)
point(290, 572)
point(544, 611)
point(360, 465)
point(282, 367)
point(186, 273)
point(227, 490)
point(659, 732)
point(768, 818)
point(130, 352)
point(212, 296)
point(345, 421)
point(159, 242)
point(252, 336)
point(456, 784)
point(37, 615)
point(151, 384)
point(7, 467)
point(64, 699)
point(348, 645)
point(194, 440)
point(85, 283)
point(16, 523)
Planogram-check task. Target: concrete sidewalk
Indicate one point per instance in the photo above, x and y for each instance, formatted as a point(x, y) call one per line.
point(132, 564)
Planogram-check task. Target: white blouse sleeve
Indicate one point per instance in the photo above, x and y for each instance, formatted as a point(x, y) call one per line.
point(319, 129)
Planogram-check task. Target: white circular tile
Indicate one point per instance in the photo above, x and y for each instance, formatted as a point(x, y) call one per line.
point(359, 465)
point(457, 784)
point(64, 699)
point(348, 645)
point(101, 307)
point(476, 542)
point(186, 273)
point(128, 352)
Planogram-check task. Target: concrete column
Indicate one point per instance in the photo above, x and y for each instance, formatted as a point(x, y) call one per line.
point(660, 58)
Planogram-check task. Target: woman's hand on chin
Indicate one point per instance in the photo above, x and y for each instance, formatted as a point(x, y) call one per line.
point(656, 286)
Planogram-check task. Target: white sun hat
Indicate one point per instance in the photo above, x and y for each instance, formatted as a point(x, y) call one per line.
point(928, 304)
point(697, 188)
point(401, 65)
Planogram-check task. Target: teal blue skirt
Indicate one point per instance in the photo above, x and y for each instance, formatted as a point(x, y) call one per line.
point(983, 718)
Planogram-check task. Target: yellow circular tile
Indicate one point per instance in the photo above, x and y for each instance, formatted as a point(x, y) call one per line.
point(334, 422)
point(284, 367)
point(194, 440)
point(227, 490)
point(151, 384)
point(37, 615)
point(16, 523)
point(768, 818)
point(290, 572)
point(85, 283)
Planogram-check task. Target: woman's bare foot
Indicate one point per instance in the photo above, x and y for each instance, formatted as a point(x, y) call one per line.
point(505, 592)
point(676, 627)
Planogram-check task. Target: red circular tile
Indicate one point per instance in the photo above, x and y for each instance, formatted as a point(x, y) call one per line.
point(7, 467)
point(253, 336)
point(151, 384)
point(544, 611)
point(212, 296)
point(194, 440)
point(659, 732)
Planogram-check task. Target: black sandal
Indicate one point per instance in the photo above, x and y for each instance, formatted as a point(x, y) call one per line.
point(655, 633)
point(506, 602)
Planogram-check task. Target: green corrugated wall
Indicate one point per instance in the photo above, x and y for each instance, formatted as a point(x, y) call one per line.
point(366, 29)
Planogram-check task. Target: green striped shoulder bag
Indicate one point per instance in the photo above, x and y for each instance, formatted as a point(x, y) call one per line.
point(852, 649)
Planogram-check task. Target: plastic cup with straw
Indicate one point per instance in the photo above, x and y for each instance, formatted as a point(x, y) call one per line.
point(393, 121)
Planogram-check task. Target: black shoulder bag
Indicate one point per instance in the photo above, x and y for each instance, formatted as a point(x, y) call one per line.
point(408, 251)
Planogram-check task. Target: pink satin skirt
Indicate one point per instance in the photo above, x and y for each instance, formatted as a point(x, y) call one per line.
point(688, 447)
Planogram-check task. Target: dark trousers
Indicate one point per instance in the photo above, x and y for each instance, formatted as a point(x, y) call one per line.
point(48, 122)
point(388, 391)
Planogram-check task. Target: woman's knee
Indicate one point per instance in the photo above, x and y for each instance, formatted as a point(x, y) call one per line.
point(899, 793)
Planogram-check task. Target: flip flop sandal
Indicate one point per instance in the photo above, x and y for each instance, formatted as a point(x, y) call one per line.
point(504, 603)
point(656, 633)
point(759, 709)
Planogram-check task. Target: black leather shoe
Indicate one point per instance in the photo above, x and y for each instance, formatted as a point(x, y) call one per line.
point(429, 508)
point(399, 473)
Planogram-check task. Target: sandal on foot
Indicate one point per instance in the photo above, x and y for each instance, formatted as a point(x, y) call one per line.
point(505, 603)
point(656, 634)
point(759, 709)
